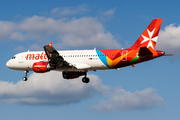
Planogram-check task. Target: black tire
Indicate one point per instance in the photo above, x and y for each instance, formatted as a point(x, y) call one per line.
point(85, 80)
point(66, 76)
point(24, 79)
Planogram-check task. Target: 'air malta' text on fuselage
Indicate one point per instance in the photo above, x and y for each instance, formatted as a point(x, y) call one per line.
point(37, 56)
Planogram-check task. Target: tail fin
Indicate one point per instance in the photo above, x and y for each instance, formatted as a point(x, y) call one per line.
point(149, 37)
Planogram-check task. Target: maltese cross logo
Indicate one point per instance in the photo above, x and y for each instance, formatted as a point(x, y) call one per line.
point(149, 39)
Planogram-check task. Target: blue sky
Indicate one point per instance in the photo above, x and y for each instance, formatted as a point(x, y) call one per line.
point(148, 91)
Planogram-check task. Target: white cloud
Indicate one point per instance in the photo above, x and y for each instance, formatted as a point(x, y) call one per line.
point(55, 10)
point(17, 36)
point(121, 100)
point(40, 27)
point(106, 15)
point(169, 39)
point(109, 12)
point(70, 10)
point(87, 32)
point(6, 28)
point(82, 32)
point(9, 30)
point(45, 89)
point(36, 47)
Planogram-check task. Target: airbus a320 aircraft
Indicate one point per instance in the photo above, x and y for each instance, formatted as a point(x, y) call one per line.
point(75, 63)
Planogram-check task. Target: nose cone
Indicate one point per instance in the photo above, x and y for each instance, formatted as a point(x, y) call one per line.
point(8, 64)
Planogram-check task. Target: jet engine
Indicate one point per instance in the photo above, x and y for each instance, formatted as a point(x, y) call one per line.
point(41, 67)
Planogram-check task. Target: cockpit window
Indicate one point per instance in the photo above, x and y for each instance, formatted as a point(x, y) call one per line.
point(13, 57)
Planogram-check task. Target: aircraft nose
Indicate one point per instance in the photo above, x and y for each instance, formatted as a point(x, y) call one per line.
point(8, 64)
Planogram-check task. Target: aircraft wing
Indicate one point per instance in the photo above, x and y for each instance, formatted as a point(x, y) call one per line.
point(57, 60)
point(54, 57)
point(82, 66)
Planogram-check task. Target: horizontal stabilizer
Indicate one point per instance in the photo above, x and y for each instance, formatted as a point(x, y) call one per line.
point(144, 52)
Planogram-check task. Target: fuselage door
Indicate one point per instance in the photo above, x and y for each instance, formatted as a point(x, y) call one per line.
point(124, 55)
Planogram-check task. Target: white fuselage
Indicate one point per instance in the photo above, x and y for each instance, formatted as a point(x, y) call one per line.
point(83, 60)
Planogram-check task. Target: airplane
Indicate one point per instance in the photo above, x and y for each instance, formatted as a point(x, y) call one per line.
point(76, 63)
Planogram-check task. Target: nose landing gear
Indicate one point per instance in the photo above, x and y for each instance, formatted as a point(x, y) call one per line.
point(25, 78)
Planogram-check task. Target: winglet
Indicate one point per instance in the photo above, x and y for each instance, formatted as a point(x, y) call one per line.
point(50, 44)
point(52, 53)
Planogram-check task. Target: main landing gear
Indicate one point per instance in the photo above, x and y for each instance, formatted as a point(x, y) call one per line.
point(85, 79)
point(25, 78)
point(73, 75)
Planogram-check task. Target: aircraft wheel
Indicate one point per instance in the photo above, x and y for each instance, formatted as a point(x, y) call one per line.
point(85, 80)
point(24, 79)
point(66, 76)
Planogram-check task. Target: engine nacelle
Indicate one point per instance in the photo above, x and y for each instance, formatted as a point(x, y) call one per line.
point(41, 67)
point(72, 75)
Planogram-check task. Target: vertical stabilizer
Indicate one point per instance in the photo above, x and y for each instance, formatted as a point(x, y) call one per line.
point(149, 37)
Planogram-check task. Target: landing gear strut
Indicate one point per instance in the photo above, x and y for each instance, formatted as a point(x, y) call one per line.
point(25, 78)
point(85, 79)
